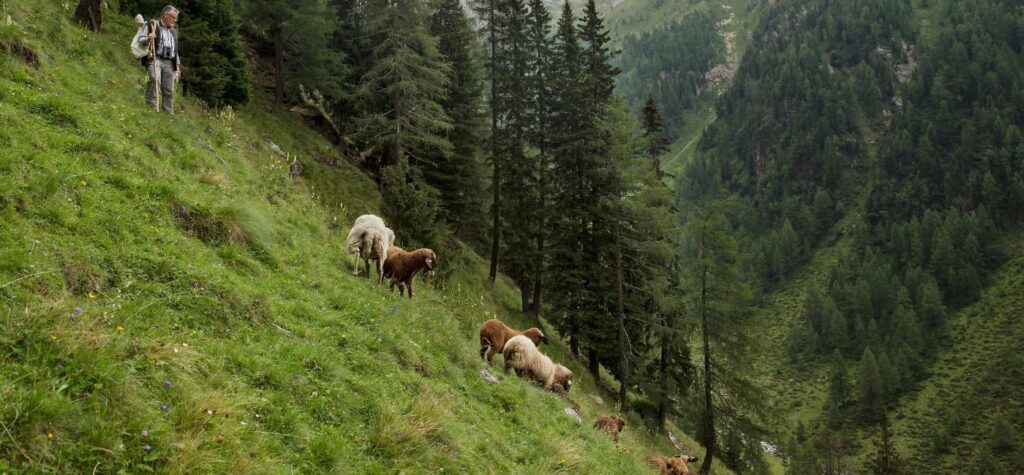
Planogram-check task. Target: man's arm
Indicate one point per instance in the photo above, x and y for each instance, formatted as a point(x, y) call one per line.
point(145, 36)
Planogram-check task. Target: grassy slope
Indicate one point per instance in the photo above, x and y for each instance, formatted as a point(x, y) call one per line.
point(277, 359)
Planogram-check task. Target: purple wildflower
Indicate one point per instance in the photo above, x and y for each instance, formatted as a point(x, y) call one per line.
point(164, 408)
point(79, 310)
point(167, 384)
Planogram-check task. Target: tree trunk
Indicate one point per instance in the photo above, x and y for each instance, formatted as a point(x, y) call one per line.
point(279, 67)
point(593, 365)
point(663, 371)
point(496, 179)
point(524, 294)
point(620, 283)
point(709, 416)
point(90, 13)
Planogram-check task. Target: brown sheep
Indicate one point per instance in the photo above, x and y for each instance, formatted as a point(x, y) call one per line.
point(671, 465)
point(494, 333)
point(401, 266)
point(612, 425)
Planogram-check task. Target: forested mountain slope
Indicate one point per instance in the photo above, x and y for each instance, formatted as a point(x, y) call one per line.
point(870, 153)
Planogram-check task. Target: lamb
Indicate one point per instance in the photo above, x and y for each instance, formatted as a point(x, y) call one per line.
point(671, 465)
point(401, 266)
point(612, 425)
point(494, 333)
point(369, 239)
point(522, 355)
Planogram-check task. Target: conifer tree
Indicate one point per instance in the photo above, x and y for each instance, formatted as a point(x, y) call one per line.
point(870, 390)
point(459, 176)
point(655, 143)
point(298, 33)
point(568, 293)
point(401, 91)
point(719, 302)
point(211, 45)
point(540, 69)
point(886, 460)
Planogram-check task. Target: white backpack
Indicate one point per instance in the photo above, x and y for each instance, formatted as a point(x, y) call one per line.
point(139, 50)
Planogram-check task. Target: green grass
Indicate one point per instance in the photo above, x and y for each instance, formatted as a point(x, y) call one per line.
point(138, 248)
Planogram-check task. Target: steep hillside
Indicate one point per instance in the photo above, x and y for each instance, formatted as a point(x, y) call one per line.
point(175, 297)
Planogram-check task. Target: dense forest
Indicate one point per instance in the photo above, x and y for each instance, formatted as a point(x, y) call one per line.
point(887, 132)
point(669, 64)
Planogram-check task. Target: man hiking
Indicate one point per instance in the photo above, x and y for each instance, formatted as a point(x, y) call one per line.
point(163, 62)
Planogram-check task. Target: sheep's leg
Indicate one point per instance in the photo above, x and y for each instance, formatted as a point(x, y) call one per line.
point(356, 270)
point(367, 262)
point(409, 284)
point(380, 271)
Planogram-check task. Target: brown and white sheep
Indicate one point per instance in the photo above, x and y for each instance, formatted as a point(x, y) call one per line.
point(401, 266)
point(369, 240)
point(494, 333)
point(612, 425)
point(522, 355)
point(671, 465)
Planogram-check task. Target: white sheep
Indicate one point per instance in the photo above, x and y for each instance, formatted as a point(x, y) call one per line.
point(522, 355)
point(369, 239)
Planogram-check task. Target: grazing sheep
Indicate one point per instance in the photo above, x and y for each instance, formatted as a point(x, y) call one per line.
point(369, 239)
point(612, 425)
point(671, 465)
point(494, 333)
point(522, 355)
point(401, 266)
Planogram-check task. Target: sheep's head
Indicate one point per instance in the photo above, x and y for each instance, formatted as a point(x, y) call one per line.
point(564, 377)
point(429, 258)
point(536, 336)
point(620, 422)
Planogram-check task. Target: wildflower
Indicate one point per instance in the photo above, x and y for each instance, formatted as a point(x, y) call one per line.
point(167, 384)
point(148, 448)
point(164, 408)
point(394, 308)
point(79, 310)
point(53, 337)
point(49, 435)
point(120, 328)
point(92, 296)
point(295, 378)
point(144, 433)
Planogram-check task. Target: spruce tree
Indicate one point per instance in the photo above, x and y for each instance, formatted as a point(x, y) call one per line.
point(401, 91)
point(519, 169)
point(298, 34)
point(459, 176)
point(870, 390)
point(540, 70)
point(654, 140)
point(211, 45)
point(887, 460)
point(567, 292)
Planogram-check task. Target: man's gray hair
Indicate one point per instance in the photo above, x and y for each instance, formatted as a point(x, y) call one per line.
point(169, 9)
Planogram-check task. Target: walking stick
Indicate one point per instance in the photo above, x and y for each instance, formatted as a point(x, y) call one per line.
point(158, 92)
